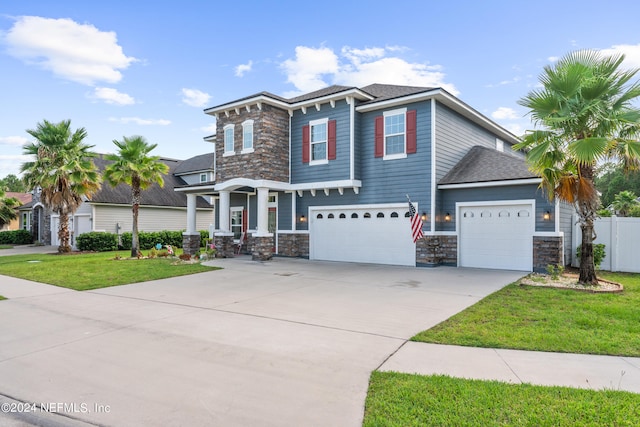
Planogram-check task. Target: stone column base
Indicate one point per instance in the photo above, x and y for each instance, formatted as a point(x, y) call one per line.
point(437, 250)
point(225, 247)
point(546, 250)
point(262, 248)
point(190, 243)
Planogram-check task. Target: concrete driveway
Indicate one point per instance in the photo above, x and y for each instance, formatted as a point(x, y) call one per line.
point(289, 342)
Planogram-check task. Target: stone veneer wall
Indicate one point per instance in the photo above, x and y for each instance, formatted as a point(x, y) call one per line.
point(262, 248)
point(546, 250)
point(293, 245)
point(224, 246)
point(437, 250)
point(270, 158)
point(190, 243)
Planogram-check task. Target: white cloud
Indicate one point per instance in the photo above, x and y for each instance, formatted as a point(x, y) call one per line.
point(10, 164)
point(76, 52)
point(18, 141)
point(243, 68)
point(195, 97)
point(515, 128)
point(139, 121)
point(316, 68)
point(504, 113)
point(553, 58)
point(631, 52)
point(210, 129)
point(112, 96)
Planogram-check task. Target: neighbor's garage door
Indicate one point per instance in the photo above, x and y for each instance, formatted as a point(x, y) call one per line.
point(378, 235)
point(496, 236)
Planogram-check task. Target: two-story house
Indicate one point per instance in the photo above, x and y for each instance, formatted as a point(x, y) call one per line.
point(327, 175)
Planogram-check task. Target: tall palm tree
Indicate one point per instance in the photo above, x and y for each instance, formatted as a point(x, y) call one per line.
point(586, 111)
point(63, 168)
point(133, 166)
point(624, 201)
point(8, 207)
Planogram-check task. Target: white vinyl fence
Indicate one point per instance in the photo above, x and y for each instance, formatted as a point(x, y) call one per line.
point(621, 237)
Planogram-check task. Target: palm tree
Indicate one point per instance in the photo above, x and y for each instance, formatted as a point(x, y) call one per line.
point(133, 166)
point(63, 168)
point(624, 201)
point(586, 112)
point(8, 207)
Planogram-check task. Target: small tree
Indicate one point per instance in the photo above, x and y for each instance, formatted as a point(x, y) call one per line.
point(623, 202)
point(587, 114)
point(63, 168)
point(133, 166)
point(8, 207)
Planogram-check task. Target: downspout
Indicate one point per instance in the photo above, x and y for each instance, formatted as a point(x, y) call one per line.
point(433, 165)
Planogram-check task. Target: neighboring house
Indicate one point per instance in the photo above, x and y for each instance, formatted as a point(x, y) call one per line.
point(326, 175)
point(110, 208)
point(23, 198)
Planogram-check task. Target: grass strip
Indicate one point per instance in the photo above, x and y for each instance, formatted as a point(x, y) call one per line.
point(546, 319)
point(396, 399)
point(93, 271)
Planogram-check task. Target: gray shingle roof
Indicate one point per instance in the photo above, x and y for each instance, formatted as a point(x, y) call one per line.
point(483, 164)
point(199, 163)
point(383, 92)
point(153, 196)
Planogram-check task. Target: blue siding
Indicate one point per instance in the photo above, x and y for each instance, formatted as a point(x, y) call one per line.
point(566, 225)
point(284, 211)
point(336, 169)
point(449, 198)
point(384, 181)
point(455, 135)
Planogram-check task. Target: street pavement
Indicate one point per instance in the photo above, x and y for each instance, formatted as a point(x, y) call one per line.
point(288, 342)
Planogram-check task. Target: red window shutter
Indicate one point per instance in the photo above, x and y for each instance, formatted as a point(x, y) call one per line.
point(412, 145)
point(305, 144)
point(331, 140)
point(244, 220)
point(379, 136)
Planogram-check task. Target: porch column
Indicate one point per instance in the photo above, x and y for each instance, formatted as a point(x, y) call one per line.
point(263, 213)
point(262, 240)
point(223, 214)
point(224, 238)
point(191, 213)
point(191, 237)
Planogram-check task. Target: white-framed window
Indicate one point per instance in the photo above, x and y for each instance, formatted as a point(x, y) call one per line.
point(229, 147)
point(499, 145)
point(236, 221)
point(26, 221)
point(395, 134)
point(318, 137)
point(247, 136)
point(204, 177)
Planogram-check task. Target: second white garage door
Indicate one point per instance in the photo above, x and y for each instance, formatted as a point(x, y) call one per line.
point(377, 234)
point(496, 236)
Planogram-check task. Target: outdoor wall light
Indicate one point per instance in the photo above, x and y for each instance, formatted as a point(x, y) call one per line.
point(447, 217)
point(303, 218)
point(423, 216)
point(546, 216)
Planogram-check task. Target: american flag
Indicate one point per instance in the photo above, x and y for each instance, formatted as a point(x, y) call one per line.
point(416, 223)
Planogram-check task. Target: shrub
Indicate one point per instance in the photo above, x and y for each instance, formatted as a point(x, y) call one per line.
point(98, 241)
point(634, 212)
point(149, 239)
point(16, 237)
point(604, 213)
point(599, 253)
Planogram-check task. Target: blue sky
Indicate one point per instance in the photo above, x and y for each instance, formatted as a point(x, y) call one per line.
point(123, 68)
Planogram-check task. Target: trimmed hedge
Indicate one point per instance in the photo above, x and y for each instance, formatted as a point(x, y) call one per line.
point(98, 241)
point(103, 241)
point(16, 237)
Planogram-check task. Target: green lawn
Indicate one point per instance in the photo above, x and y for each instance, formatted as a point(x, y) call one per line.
point(412, 400)
point(520, 317)
point(92, 271)
point(544, 319)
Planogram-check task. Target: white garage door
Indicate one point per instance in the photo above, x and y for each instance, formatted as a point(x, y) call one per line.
point(496, 236)
point(373, 234)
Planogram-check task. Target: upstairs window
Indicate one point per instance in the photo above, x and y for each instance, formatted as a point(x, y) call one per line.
point(229, 148)
point(203, 177)
point(247, 136)
point(395, 134)
point(499, 145)
point(319, 142)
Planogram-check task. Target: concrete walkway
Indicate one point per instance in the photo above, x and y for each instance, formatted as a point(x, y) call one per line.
point(284, 343)
point(29, 249)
